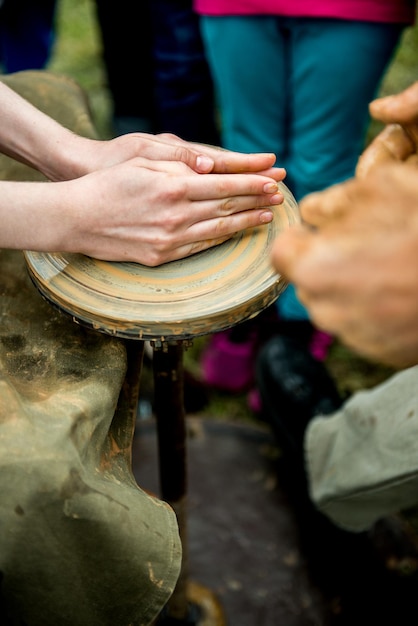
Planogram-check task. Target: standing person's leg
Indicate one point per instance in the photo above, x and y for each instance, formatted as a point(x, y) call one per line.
point(247, 57)
point(336, 68)
point(27, 34)
point(127, 39)
point(361, 467)
point(183, 84)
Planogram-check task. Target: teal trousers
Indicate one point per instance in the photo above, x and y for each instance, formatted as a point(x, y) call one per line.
point(299, 88)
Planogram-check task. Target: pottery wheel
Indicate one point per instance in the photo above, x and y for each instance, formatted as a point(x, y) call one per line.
point(207, 292)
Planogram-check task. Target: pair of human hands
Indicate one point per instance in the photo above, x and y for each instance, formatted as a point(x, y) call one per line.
point(142, 198)
point(176, 199)
point(355, 260)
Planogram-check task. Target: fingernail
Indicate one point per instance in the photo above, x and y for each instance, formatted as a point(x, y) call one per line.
point(276, 199)
point(266, 217)
point(271, 187)
point(204, 162)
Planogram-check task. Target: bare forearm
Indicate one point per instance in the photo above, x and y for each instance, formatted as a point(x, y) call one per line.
point(33, 138)
point(32, 215)
point(30, 136)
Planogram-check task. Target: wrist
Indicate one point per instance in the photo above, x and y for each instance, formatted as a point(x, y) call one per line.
point(63, 158)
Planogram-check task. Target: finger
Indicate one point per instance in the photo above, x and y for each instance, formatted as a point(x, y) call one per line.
point(412, 131)
point(233, 162)
point(218, 209)
point(228, 186)
point(277, 173)
point(218, 228)
point(316, 261)
point(401, 108)
point(318, 208)
point(209, 233)
point(188, 249)
point(391, 145)
point(412, 160)
point(288, 250)
point(205, 159)
point(228, 162)
point(195, 186)
point(171, 148)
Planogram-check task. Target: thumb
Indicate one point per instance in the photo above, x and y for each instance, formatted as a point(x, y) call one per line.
point(401, 108)
point(322, 206)
point(391, 145)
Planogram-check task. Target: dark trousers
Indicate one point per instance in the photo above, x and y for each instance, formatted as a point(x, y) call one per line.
point(156, 66)
point(27, 34)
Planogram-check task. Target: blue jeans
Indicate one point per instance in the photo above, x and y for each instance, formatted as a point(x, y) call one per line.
point(298, 87)
point(127, 40)
point(156, 67)
point(183, 83)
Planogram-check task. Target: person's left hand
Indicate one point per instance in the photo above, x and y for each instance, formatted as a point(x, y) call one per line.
point(357, 269)
point(85, 155)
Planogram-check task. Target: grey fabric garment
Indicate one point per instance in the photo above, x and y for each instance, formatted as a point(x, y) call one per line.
point(80, 543)
point(362, 461)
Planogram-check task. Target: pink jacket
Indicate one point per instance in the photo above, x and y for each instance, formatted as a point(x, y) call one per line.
point(393, 11)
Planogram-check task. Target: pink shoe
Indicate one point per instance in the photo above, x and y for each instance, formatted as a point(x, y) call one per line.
point(320, 344)
point(254, 401)
point(227, 365)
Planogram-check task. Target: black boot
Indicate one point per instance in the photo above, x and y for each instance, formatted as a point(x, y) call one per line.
point(294, 387)
point(351, 569)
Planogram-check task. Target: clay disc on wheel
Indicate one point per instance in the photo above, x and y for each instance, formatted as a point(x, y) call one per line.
point(207, 292)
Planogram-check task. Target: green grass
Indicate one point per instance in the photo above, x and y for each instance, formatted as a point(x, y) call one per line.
point(77, 53)
point(403, 70)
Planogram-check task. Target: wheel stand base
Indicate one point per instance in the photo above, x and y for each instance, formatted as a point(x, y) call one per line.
point(204, 609)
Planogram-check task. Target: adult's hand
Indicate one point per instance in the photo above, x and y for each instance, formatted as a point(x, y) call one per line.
point(398, 141)
point(357, 271)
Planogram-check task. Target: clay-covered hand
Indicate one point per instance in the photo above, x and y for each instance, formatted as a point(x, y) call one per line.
point(357, 272)
point(398, 141)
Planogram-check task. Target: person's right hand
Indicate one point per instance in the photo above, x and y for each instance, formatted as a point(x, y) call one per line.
point(398, 141)
point(142, 210)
